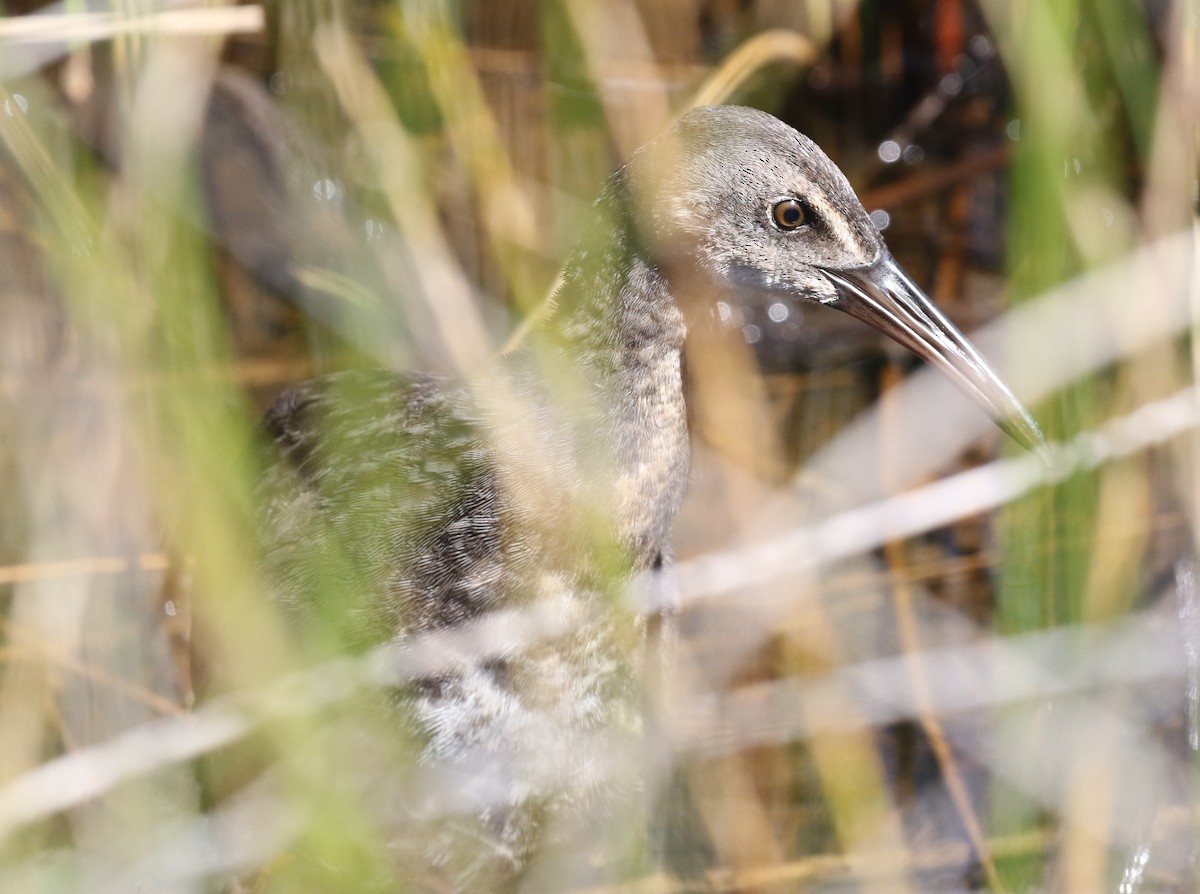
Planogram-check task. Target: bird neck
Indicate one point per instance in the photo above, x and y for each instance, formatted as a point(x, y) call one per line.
point(620, 326)
point(616, 314)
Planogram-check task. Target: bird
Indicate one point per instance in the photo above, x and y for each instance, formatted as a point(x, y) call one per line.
point(396, 504)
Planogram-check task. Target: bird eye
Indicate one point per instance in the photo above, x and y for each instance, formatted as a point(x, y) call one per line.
point(789, 214)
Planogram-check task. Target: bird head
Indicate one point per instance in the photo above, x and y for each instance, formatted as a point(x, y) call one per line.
point(758, 210)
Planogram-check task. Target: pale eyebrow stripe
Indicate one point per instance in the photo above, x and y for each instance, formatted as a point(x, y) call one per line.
point(815, 197)
point(837, 223)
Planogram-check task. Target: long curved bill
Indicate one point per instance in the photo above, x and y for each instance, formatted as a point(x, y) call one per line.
point(882, 296)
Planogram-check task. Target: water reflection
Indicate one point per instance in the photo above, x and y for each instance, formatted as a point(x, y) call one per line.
point(18, 104)
point(889, 151)
point(326, 190)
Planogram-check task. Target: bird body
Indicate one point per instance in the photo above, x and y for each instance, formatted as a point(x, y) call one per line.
point(409, 504)
point(405, 504)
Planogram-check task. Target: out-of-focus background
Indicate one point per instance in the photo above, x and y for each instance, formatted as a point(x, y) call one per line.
point(991, 682)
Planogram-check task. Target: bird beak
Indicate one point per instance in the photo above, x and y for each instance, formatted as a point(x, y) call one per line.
point(882, 296)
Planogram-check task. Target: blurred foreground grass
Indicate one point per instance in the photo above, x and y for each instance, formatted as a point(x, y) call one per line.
point(190, 220)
